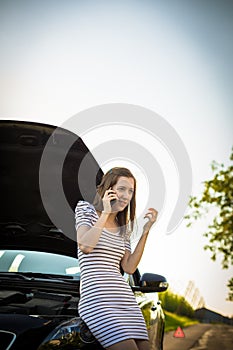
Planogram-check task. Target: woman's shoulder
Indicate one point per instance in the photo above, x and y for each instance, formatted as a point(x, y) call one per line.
point(85, 214)
point(85, 206)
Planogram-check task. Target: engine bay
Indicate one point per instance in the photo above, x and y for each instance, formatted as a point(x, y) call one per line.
point(37, 302)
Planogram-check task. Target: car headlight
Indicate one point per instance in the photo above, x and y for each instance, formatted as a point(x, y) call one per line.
point(68, 335)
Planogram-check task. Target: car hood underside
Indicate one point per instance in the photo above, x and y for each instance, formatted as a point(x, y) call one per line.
point(40, 167)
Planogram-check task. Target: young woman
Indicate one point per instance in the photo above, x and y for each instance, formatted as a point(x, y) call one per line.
point(107, 304)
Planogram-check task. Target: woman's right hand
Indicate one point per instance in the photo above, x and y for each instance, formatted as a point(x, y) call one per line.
point(109, 195)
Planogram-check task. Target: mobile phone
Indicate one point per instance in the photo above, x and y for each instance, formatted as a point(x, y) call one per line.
point(112, 202)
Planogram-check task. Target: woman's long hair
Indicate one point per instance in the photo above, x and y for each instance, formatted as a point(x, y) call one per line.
point(126, 217)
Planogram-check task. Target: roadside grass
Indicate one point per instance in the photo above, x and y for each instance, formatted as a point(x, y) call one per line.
point(172, 321)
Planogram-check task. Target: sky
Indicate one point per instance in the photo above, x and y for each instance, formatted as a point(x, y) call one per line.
point(59, 58)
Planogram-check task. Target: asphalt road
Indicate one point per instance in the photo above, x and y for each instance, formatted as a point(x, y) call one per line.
point(201, 337)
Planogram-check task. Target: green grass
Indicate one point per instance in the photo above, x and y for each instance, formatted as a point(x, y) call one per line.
point(172, 321)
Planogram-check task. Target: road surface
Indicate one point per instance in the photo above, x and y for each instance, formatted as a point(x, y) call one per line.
point(201, 337)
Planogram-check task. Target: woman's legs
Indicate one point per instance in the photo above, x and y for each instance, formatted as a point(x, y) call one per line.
point(143, 344)
point(128, 344)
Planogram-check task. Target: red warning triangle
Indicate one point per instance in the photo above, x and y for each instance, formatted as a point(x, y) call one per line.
point(179, 333)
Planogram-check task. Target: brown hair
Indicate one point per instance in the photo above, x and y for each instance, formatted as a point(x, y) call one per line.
point(126, 217)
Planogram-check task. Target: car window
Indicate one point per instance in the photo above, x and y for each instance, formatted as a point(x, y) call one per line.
point(129, 279)
point(38, 262)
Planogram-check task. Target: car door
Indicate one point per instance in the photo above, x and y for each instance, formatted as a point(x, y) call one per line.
point(150, 306)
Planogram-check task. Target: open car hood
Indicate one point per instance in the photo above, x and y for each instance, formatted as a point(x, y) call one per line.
point(44, 172)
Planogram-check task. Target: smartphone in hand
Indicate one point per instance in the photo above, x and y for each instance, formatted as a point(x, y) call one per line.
point(113, 201)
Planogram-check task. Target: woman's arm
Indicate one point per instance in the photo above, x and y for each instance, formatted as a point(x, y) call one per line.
point(130, 261)
point(88, 237)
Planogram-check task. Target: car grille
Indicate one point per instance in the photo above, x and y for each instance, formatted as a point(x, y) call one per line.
point(6, 340)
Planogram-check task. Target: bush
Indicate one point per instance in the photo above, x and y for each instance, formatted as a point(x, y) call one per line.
point(176, 304)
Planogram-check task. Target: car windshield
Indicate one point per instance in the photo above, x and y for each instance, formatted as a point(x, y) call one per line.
point(38, 262)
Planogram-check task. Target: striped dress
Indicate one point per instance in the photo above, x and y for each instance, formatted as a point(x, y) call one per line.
point(107, 303)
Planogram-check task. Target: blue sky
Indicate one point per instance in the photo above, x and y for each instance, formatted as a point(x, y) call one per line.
point(173, 57)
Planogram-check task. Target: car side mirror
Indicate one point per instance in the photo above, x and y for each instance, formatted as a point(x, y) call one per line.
point(151, 282)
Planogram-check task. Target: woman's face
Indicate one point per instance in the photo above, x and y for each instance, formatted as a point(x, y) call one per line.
point(124, 189)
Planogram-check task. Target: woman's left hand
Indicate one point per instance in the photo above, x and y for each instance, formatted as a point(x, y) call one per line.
point(151, 215)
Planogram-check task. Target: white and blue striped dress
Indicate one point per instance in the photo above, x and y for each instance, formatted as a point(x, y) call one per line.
point(107, 303)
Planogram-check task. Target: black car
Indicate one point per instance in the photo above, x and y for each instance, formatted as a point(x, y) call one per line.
point(44, 171)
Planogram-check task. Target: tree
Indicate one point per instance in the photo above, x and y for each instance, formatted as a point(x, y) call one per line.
point(217, 193)
point(230, 286)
